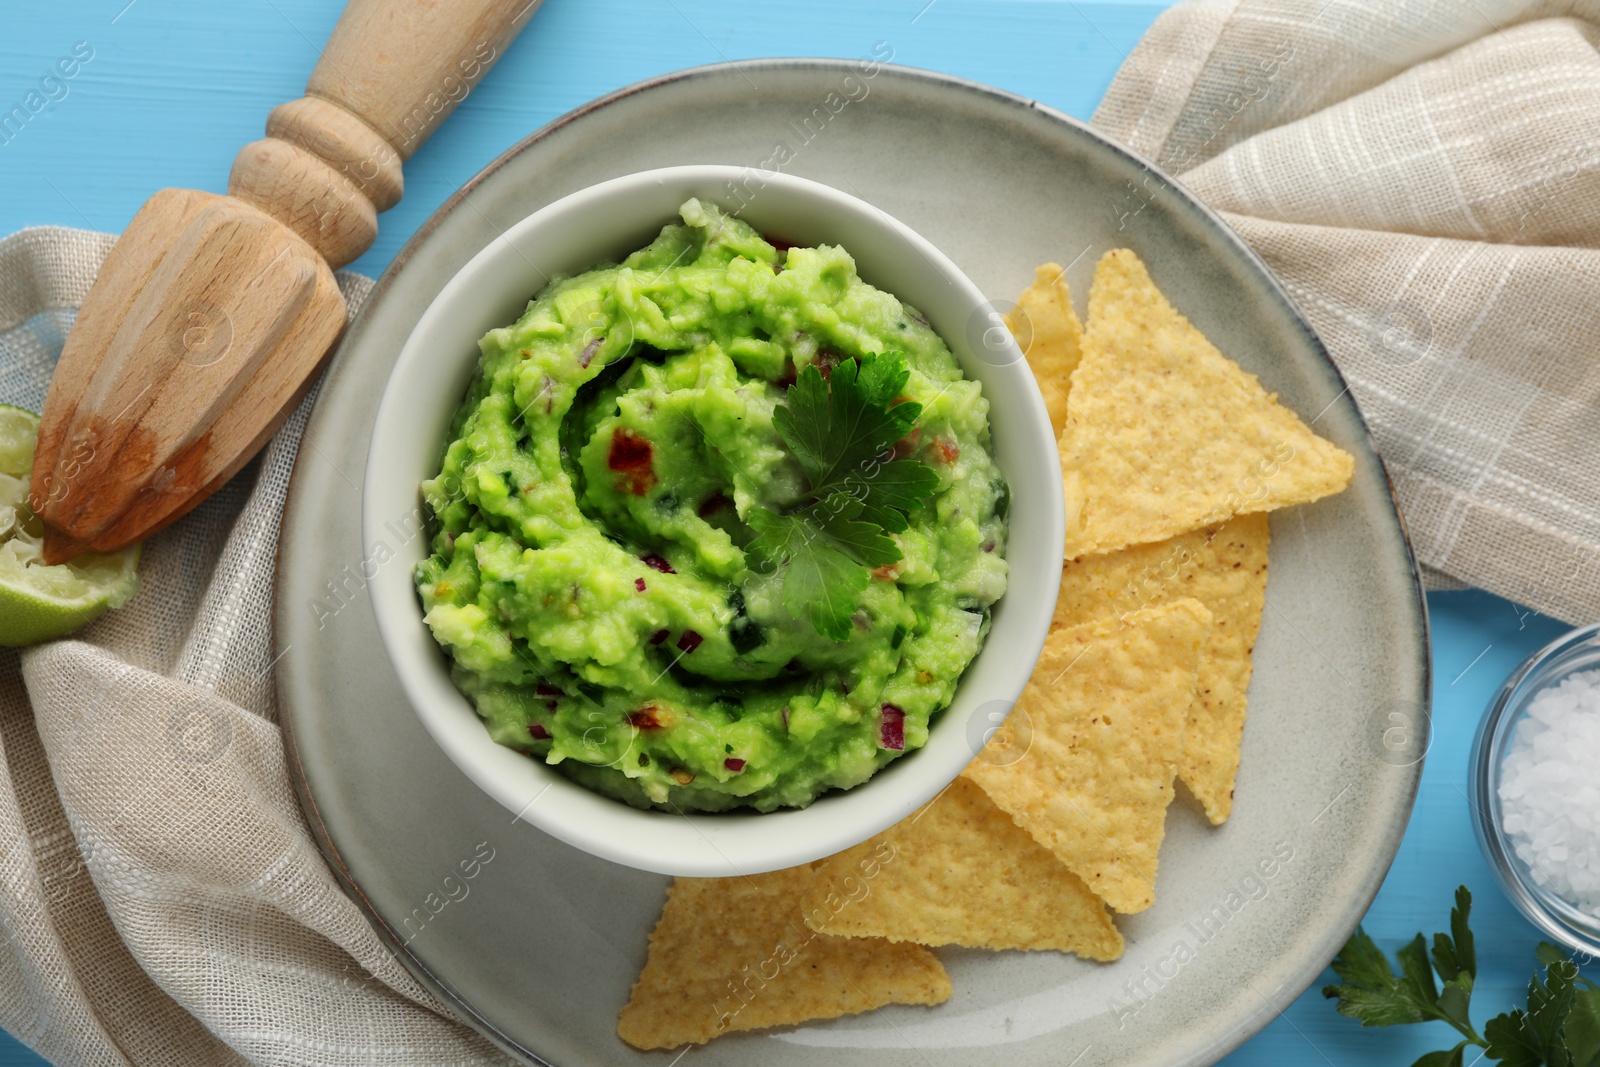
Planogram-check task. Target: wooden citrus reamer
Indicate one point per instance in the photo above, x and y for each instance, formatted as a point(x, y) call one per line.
point(208, 321)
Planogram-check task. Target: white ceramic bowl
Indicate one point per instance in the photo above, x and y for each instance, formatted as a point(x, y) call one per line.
point(605, 222)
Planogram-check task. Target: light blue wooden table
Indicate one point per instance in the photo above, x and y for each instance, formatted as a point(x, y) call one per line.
point(175, 87)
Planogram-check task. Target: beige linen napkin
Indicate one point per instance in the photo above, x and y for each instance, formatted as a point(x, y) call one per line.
point(161, 899)
point(1424, 175)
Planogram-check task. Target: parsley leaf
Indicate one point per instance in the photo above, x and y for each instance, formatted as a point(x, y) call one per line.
point(842, 430)
point(1377, 996)
point(819, 579)
point(1528, 1038)
point(1444, 1058)
point(837, 425)
point(1374, 993)
point(1455, 955)
point(841, 519)
point(1583, 1026)
point(1560, 1028)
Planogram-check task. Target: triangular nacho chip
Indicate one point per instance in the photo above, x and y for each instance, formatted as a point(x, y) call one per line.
point(1225, 568)
point(734, 954)
point(1050, 335)
point(1106, 707)
point(1165, 434)
point(960, 872)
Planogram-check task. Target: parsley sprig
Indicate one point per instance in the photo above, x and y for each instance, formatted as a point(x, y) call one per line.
point(842, 430)
point(1560, 1028)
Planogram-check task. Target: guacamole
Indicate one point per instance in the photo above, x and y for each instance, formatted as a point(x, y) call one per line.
point(594, 577)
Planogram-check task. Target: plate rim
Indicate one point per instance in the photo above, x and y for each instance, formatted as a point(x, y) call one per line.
point(1274, 1003)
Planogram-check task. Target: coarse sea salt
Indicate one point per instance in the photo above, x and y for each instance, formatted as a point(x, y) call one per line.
point(1549, 791)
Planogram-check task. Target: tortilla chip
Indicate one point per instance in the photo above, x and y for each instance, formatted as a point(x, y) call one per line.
point(1107, 704)
point(960, 872)
point(1166, 434)
point(1225, 568)
point(733, 954)
point(1047, 329)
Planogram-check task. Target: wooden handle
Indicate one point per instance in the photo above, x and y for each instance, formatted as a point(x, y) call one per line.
point(402, 66)
point(391, 74)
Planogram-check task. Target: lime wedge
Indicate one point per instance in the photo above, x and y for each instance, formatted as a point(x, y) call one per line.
point(39, 602)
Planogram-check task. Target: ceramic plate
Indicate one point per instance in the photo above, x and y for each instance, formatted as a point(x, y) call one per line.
point(539, 947)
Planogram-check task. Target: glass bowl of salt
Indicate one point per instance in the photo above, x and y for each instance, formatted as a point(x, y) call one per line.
point(1536, 791)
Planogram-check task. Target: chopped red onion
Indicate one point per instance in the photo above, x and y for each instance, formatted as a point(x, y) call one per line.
point(892, 728)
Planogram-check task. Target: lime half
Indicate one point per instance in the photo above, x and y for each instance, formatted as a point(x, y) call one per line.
point(38, 602)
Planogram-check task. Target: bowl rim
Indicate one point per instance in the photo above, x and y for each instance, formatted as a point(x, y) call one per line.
point(1562, 921)
point(839, 818)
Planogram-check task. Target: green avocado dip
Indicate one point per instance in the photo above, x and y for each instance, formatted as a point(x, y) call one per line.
point(717, 526)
